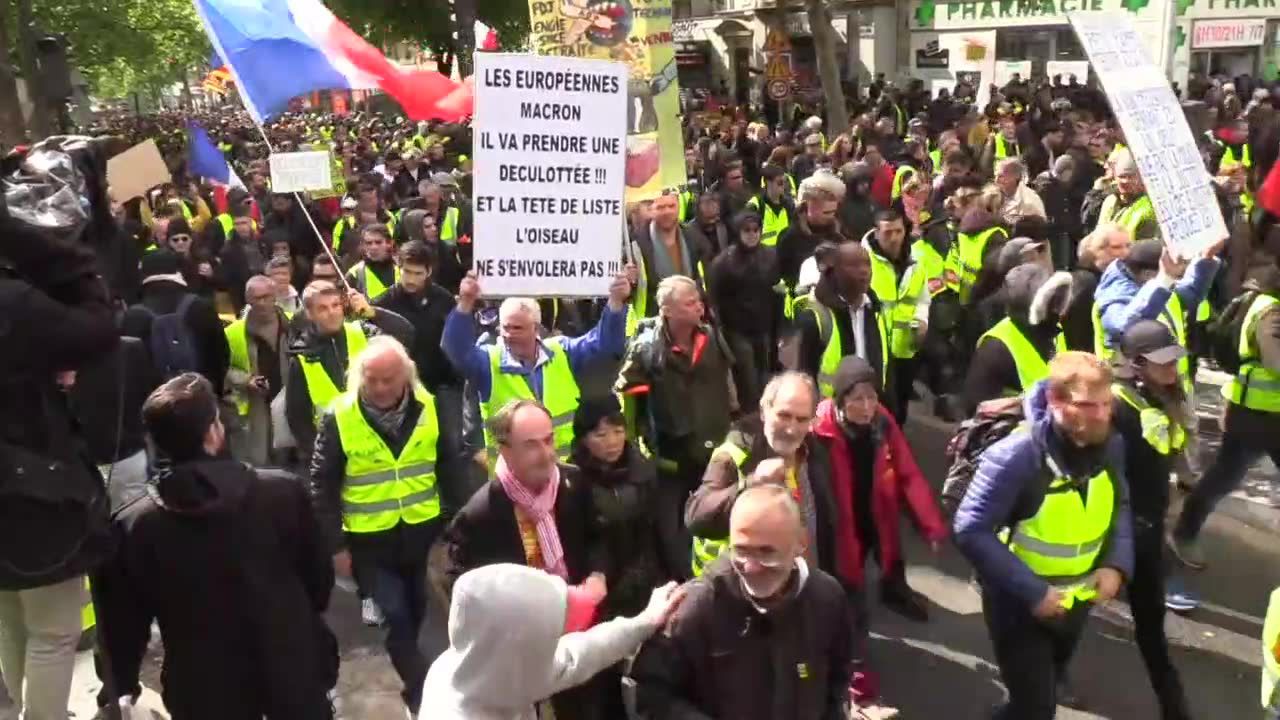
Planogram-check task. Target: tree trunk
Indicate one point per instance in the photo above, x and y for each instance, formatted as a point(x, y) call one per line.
point(465, 11)
point(824, 46)
point(12, 125)
point(41, 118)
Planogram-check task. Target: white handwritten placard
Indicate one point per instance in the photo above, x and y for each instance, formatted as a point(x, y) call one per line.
point(301, 171)
point(550, 160)
point(1155, 130)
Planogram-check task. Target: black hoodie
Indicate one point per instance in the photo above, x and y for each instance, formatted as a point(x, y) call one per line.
point(230, 562)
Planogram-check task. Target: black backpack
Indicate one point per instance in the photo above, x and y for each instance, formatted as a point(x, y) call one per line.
point(993, 421)
point(173, 349)
point(1222, 334)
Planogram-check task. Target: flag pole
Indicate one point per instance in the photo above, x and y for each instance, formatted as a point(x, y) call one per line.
point(342, 277)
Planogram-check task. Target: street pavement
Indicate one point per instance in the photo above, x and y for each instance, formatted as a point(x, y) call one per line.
point(944, 668)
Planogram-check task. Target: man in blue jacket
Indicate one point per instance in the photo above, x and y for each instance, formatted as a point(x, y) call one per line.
point(1151, 285)
point(1046, 525)
point(522, 365)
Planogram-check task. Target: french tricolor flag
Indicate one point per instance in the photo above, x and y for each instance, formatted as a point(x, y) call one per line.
point(280, 49)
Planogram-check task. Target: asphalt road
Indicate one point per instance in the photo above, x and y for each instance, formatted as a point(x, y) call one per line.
point(944, 668)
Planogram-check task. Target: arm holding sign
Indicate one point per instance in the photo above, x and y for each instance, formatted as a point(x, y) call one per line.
point(609, 336)
point(1194, 286)
point(459, 339)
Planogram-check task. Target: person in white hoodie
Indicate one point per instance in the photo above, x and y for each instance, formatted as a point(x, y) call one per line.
point(508, 650)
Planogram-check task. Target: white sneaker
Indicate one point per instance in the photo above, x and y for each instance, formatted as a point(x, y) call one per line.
point(873, 712)
point(371, 614)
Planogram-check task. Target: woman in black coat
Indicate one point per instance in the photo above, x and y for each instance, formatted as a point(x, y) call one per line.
point(621, 482)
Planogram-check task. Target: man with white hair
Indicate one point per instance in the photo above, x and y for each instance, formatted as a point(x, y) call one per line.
point(379, 478)
point(521, 365)
point(816, 222)
point(1017, 200)
point(677, 377)
point(1129, 206)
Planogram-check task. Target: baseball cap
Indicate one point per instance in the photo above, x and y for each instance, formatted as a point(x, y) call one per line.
point(1145, 255)
point(1151, 340)
point(1011, 254)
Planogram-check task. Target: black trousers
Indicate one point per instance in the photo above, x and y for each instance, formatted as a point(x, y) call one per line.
point(1145, 592)
point(1032, 654)
point(904, 379)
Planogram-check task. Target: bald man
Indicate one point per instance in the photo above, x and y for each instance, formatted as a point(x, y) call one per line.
point(258, 366)
point(763, 601)
point(380, 479)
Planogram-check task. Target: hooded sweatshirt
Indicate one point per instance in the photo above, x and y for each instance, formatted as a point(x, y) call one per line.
point(507, 647)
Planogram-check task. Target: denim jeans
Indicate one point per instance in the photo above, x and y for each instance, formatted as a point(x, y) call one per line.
point(401, 592)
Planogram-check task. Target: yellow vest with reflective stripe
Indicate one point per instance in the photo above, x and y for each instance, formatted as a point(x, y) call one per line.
point(1062, 541)
point(1158, 429)
point(1031, 367)
point(1130, 217)
point(379, 489)
point(238, 342)
point(1271, 653)
point(373, 287)
point(706, 550)
point(560, 393)
point(1254, 386)
point(964, 260)
point(899, 177)
point(931, 264)
point(320, 386)
point(831, 354)
point(898, 298)
point(1172, 317)
point(772, 222)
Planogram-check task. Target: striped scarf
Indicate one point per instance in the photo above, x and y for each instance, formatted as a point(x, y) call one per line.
point(541, 508)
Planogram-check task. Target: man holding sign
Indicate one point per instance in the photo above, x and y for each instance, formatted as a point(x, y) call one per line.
point(523, 365)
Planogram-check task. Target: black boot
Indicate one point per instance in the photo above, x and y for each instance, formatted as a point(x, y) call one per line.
point(898, 596)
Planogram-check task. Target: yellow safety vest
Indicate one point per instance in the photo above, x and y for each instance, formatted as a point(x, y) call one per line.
point(238, 343)
point(228, 224)
point(349, 223)
point(379, 489)
point(685, 198)
point(898, 298)
point(1254, 386)
point(373, 287)
point(449, 228)
point(935, 157)
point(320, 386)
point(1031, 367)
point(88, 616)
point(1158, 429)
point(1229, 156)
point(1271, 653)
point(1130, 217)
point(899, 177)
point(931, 264)
point(829, 332)
point(1002, 147)
point(964, 260)
point(706, 550)
point(1172, 317)
point(1062, 541)
point(772, 222)
point(560, 394)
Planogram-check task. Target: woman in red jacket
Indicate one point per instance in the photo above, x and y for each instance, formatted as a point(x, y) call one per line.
point(873, 475)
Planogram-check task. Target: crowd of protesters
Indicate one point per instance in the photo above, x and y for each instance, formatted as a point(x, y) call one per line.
point(730, 418)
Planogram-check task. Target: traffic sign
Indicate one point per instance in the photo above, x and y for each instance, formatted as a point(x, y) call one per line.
point(778, 67)
point(779, 89)
point(777, 41)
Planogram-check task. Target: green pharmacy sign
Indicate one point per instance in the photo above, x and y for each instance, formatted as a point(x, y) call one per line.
point(927, 11)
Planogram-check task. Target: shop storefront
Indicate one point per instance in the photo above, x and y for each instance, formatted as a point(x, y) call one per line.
point(694, 53)
point(988, 40)
point(1227, 38)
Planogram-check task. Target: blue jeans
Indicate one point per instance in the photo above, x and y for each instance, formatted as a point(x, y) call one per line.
point(401, 592)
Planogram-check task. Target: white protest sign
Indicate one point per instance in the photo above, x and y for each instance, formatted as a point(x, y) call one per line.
point(1006, 69)
point(301, 171)
point(550, 158)
point(1155, 130)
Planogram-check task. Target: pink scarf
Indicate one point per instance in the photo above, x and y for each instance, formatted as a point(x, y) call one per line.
point(541, 507)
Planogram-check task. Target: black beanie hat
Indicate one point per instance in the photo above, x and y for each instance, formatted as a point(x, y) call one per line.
point(851, 371)
point(592, 410)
